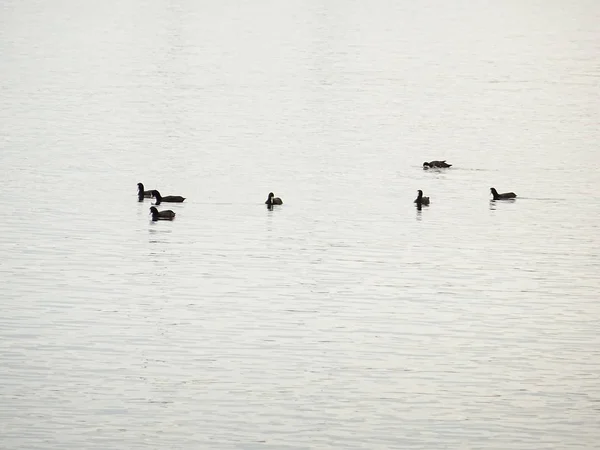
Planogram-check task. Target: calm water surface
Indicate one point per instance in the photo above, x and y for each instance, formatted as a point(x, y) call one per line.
point(346, 318)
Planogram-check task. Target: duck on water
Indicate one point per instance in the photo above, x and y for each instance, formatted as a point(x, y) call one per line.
point(167, 199)
point(436, 164)
point(272, 200)
point(165, 214)
point(142, 193)
point(504, 196)
point(420, 200)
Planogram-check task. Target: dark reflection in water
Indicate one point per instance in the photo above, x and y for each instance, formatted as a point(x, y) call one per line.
point(494, 202)
point(419, 213)
point(157, 233)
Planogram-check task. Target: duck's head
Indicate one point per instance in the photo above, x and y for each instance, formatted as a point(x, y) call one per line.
point(494, 191)
point(420, 192)
point(140, 187)
point(153, 210)
point(269, 201)
point(157, 196)
point(426, 165)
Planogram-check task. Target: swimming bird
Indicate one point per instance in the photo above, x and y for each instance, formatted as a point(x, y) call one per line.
point(272, 200)
point(436, 164)
point(142, 193)
point(165, 214)
point(505, 196)
point(167, 199)
point(420, 200)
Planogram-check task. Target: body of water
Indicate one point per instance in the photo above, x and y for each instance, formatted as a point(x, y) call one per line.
point(345, 318)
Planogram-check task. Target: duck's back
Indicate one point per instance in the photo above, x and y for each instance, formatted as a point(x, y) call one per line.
point(167, 214)
point(173, 199)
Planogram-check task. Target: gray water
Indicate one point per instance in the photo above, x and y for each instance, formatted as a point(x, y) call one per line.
point(345, 318)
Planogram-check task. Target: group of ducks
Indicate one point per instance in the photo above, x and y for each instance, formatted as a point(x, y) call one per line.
point(424, 201)
point(165, 214)
point(168, 214)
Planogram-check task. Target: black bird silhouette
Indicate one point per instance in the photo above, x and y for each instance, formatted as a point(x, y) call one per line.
point(166, 214)
point(272, 200)
point(420, 200)
point(167, 199)
point(142, 193)
point(505, 196)
point(436, 164)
